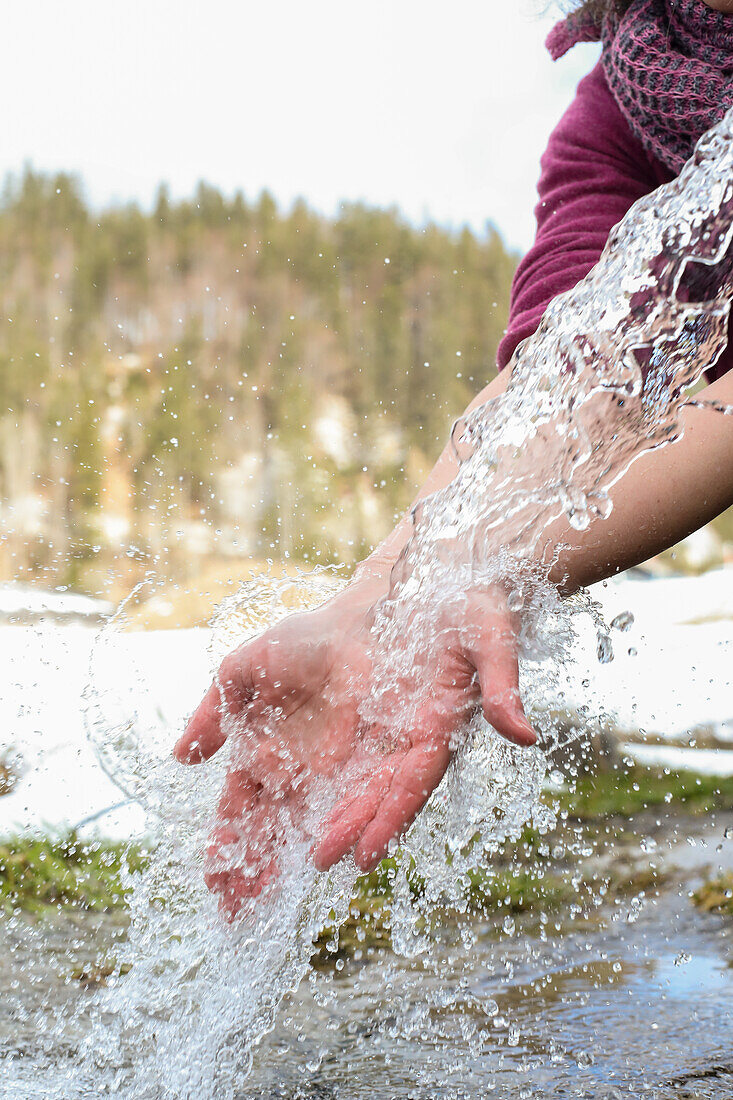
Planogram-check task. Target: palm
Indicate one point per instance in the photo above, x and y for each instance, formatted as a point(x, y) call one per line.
point(292, 699)
point(289, 699)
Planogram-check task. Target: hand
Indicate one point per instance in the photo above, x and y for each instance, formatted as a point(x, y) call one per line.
point(296, 693)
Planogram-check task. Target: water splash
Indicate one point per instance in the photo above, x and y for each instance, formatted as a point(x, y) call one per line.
point(603, 380)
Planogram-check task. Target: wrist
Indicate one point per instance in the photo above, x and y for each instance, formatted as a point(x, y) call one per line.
point(374, 570)
point(365, 588)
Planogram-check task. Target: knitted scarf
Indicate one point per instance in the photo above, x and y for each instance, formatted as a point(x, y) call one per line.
point(669, 65)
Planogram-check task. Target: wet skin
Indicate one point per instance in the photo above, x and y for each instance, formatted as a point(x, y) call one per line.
point(295, 694)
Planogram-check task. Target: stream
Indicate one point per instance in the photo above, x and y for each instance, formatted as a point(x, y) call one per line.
point(636, 1000)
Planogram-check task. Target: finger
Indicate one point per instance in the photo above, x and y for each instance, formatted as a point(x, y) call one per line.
point(238, 797)
point(235, 870)
point(350, 818)
point(234, 886)
point(240, 857)
point(204, 735)
point(496, 659)
point(414, 781)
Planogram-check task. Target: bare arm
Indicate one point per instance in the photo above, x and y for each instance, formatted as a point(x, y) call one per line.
point(314, 670)
point(663, 496)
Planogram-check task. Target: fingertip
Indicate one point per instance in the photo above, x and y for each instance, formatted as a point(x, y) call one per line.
point(368, 853)
point(198, 741)
point(366, 862)
point(519, 731)
point(203, 735)
point(233, 886)
point(526, 737)
point(526, 734)
point(335, 844)
point(187, 751)
point(509, 720)
point(351, 817)
point(321, 858)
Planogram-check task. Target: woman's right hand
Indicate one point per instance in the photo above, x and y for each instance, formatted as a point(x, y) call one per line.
point(294, 696)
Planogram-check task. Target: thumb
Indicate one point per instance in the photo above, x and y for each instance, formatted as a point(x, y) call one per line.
point(229, 694)
point(203, 735)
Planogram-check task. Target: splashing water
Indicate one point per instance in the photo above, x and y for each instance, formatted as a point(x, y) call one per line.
point(602, 380)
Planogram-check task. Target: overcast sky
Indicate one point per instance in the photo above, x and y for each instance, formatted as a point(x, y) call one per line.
point(440, 108)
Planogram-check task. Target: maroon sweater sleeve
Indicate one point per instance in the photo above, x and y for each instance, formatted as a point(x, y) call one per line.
point(593, 170)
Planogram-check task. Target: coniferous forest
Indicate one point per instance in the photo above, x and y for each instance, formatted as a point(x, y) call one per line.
point(218, 377)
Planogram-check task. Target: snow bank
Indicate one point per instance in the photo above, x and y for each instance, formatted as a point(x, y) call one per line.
point(24, 602)
point(669, 675)
point(673, 669)
point(45, 671)
point(701, 761)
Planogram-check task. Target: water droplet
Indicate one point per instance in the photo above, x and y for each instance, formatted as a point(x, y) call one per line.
point(623, 621)
point(515, 600)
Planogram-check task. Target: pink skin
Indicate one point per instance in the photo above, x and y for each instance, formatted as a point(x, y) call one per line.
point(298, 688)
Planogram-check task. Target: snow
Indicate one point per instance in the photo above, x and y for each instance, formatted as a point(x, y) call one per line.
point(672, 671)
point(45, 671)
point(702, 761)
point(19, 599)
point(679, 680)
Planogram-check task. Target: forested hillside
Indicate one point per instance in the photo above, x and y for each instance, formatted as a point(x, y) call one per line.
point(221, 377)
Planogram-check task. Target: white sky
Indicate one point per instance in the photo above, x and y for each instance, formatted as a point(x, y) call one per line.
point(440, 108)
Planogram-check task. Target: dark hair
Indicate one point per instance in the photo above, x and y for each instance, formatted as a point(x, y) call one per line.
point(597, 8)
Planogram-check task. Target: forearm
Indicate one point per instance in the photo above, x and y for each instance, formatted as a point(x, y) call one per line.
point(661, 498)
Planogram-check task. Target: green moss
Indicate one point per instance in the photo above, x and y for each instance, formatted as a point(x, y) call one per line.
point(519, 891)
point(624, 793)
point(38, 873)
point(716, 896)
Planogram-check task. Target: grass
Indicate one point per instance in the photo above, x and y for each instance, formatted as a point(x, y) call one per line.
point(625, 793)
point(40, 873)
point(37, 874)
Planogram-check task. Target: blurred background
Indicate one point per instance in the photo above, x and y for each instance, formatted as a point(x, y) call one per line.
point(253, 262)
